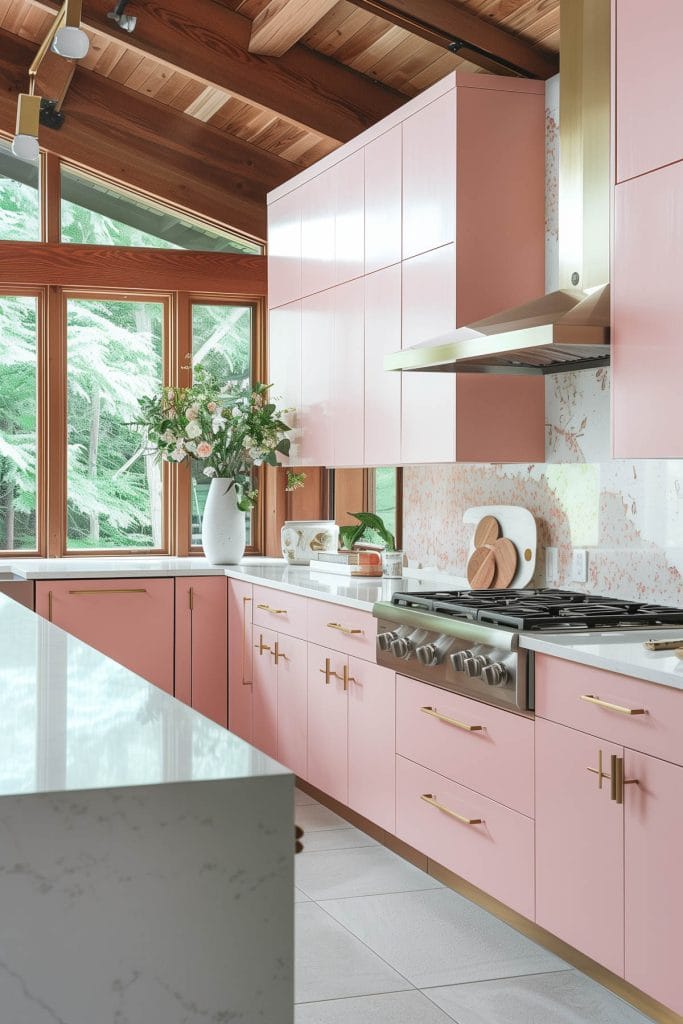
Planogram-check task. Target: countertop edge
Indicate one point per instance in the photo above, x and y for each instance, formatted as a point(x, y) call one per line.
point(619, 665)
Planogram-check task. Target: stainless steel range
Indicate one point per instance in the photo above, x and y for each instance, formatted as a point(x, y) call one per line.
point(468, 641)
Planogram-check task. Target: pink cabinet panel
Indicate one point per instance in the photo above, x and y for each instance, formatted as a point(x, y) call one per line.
point(284, 249)
point(579, 845)
point(240, 678)
point(647, 324)
point(499, 418)
point(371, 747)
point(654, 888)
point(318, 209)
point(348, 630)
point(264, 691)
point(349, 228)
point(201, 645)
point(279, 610)
point(317, 358)
point(649, 118)
point(348, 374)
point(560, 686)
point(327, 722)
point(129, 620)
point(493, 848)
point(382, 388)
point(284, 369)
point(383, 201)
point(291, 656)
point(487, 750)
point(429, 173)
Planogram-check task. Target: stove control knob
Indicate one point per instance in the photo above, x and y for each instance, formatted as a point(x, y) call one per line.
point(429, 654)
point(475, 666)
point(459, 658)
point(385, 640)
point(401, 648)
point(495, 674)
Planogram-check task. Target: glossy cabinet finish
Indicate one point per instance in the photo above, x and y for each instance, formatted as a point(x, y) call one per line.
point(317, 385)
point(280, 610)
point(327, 722)
point(318, 211)
point(383, 177)
point(348, 374)
point(201, 645)
point(284, 249)
point(240, 674)
point(129, 620)
point(284, 369)
point(347, 630)
point(290, 656)
point(349, 228)
point(264, 732)
point(579, 844)
point(429, 176)
point(371, 745)
point(382, 402)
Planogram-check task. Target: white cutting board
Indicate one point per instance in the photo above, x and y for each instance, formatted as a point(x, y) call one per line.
point(519, 526)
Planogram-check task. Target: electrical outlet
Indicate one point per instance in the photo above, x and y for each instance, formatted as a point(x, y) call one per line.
point(552, 565)
point(579, 565)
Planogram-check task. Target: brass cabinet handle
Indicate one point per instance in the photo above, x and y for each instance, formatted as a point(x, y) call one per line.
point(260, 646)
point(327, 672)
point(49, 606)
point(591, 698)
point(429, 798)
point(599, 772)
point(112, 590)
point(275, 611)
point(191, 598)
point(618, 781)
point(277, 653)
point(346, 678)
point(344, 629)
point(245, 682)
point(451, 721)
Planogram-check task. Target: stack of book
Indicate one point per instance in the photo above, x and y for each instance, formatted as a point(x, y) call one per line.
point(348, 563)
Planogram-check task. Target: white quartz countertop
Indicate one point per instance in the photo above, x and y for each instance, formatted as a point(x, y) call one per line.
point(73, 719)
point(109, 567)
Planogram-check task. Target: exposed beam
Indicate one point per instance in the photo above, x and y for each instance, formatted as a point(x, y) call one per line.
point(282, 23)
point(134, 140)
point(54, 78)
point(445, 23)
point(210, 43)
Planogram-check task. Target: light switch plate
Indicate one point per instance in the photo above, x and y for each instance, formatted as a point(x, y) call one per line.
point(579, 565)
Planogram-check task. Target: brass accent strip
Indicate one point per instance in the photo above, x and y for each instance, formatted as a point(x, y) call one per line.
point(344, 629)
point(430, 799)
point(111, 590)
point(245, 682)
point(260, 646)
point(275, 611)
point(591, 698)
point(451, 721)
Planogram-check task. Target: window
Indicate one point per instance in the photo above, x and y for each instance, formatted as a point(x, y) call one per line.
point(385, 494)
point(19, 198)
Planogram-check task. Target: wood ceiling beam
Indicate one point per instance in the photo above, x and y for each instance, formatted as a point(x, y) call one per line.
point(136, 141)
point(443, 22)
point(282, 23)
point(210, 43)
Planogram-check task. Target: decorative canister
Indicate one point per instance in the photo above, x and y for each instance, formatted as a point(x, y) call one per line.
point(303, 536)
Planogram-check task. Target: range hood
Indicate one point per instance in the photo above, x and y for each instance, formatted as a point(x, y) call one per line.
point(567, 329)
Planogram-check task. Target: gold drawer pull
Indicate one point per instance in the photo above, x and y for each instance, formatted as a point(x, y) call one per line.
point(112, 590)
point(344, 629)
point(275, 611)
point(451, 721)
point(590, 698)
point(430, 799)
point(277, 653)
point(260, 646)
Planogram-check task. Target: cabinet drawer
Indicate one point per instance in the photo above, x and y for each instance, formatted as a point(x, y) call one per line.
point(348, 630)
point(485, 749)
point(561, 685)
point(276, 609)
point(493, 847)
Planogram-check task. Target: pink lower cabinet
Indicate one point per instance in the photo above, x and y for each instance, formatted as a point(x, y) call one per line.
point(291, 657)
point(482, 841)
point(372, 728)
point(328, 721)
point(240, 676)
point(264, 686)
point(579, 843)
point(129, 620)
point(201, 645)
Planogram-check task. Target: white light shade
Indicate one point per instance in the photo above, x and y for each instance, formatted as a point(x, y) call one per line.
point(71, 42)
point(25, 147)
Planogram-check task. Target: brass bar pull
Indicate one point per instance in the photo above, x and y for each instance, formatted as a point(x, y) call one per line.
point(430, 799)
point(451, 721)
point(327, 672)
point(590, 698)
point(599, 772)
point(618, 780)
point(112, 590)
point(49, 606)
point(347, 678)
point(277, 653)
point(344, 629)
point(275, 611)
point(260, 646)
point(191, 598)
point(245, 682)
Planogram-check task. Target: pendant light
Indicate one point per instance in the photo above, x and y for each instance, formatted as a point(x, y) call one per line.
point(25, 144)
point(70, 40)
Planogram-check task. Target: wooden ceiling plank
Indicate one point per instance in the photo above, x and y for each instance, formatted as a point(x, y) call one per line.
point(282, 23)
point(171, 88)
point(337, 35)
point(368, 34)
point(384, 45)
point(187, 95)
point(332, 21)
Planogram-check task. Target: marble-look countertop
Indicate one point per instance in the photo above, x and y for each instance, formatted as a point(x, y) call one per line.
point(108, 567)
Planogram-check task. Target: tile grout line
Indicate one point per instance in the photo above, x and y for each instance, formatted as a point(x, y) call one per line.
point(365, 895)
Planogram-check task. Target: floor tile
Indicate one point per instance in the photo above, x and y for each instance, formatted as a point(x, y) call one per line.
point(439, 938)
point(336, 839)
point(299, 896)
point(331, 963)
point(312, 817)
point(563, 998)
point(366, 871)
point(301, 798)
point(394, 1008)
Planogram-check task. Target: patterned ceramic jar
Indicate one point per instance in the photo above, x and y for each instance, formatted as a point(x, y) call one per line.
point(301, 537)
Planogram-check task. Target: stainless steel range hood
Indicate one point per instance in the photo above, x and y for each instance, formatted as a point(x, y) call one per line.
point(568, 329)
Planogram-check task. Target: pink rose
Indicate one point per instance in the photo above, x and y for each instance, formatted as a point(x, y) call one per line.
point(211, 406)
point(204, 449)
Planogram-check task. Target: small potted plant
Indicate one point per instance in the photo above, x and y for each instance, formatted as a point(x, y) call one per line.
point(392, 560)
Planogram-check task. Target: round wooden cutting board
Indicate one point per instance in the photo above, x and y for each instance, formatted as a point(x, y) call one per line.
point(505, 557)
point(487, 531)
point(481, 568)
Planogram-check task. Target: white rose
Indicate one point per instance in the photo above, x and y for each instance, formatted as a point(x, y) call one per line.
point(193, 429)
point(191, 447)
point(168, 436)
point(209, 471)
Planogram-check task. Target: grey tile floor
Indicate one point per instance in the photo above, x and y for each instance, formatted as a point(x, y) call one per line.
point(380, 942)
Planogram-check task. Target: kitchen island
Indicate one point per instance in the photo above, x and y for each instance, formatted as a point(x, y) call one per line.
point(146, 854)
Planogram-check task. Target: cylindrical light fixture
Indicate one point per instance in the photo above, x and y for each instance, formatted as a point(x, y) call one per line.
point(70, 40)
point(25, 144)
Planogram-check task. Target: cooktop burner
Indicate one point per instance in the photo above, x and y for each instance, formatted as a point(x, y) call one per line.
point(540, 610)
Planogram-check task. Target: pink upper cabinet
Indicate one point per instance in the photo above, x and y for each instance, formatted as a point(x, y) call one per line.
point(318, 211)
point(284, 368)
point(284, 249)
point(317, 358)
point(382, 389)
point(383, 201)
point(348, 374)
point(429, 176)
point(649, 116)
point(349, 226)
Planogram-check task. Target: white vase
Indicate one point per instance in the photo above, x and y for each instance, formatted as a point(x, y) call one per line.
point(224, 531)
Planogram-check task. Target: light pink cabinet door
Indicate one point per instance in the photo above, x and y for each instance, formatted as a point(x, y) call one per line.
point(647, 327)
point(284, 369)
point(201, 645)
point(327, 722)
point(240, 678)
point(649, 118)
point(383, 177)
point(382, 388)
point(654, 886)
point(348, 374)
point(579, 845)
point(129, 620)
point(284, 249)
point(349, 227)
point(428, 399)
point(292, 703)
point(317, 358)
point(429, 171)
point(265, 691)
point(318, 209)
point(372, 727)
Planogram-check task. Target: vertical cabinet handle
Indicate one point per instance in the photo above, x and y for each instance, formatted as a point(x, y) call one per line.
point(618, 780)
point(260, 646)
point(347, 678)
point(277, 653)
point(191, 598)
point(49, 606)
point(327, 672)
point(245, 600)
point(598, 771)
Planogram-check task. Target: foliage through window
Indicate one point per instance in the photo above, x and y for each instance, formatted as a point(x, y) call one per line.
point(386, 497)
point(19, 198)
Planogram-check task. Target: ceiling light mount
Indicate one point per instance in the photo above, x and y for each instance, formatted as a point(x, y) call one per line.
point(50, 115)
point(126, 22)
